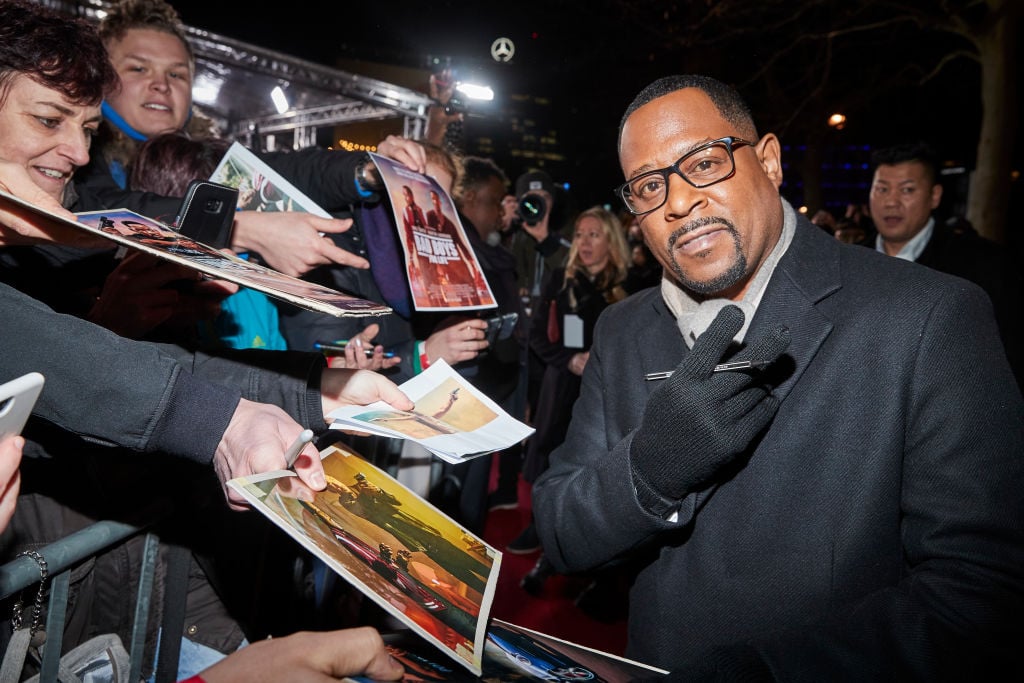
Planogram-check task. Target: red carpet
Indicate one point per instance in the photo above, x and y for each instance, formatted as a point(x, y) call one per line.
point(553, 612)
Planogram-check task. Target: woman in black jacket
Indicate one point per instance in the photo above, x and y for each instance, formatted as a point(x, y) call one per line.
point(561, 333)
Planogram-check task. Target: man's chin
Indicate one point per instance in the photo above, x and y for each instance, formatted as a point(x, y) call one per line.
point(708, 284)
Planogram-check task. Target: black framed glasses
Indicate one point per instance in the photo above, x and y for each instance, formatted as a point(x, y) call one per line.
point(708, 164)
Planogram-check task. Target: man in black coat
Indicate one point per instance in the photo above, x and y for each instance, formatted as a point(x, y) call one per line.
point(850, 509)
point(905, 193)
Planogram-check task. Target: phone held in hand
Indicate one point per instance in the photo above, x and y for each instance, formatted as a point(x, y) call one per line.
point(17, 398)
point(207, 213)
point(500, 327)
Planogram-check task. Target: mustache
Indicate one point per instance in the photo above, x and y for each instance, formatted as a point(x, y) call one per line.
point(696, 224)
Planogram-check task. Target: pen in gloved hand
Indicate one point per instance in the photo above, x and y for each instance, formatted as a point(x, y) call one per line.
point(723, 367)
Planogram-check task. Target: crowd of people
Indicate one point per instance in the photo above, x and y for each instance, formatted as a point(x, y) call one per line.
point(803, 455)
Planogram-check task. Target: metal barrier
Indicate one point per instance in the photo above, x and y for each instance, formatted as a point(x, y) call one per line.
point(64, 555)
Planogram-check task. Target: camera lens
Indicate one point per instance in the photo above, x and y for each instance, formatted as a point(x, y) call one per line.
point(455, 106)
point(532, 208)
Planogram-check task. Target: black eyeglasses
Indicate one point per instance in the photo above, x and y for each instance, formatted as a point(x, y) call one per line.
point(708, 164)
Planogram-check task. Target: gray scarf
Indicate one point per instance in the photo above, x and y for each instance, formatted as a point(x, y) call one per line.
point(694, 317)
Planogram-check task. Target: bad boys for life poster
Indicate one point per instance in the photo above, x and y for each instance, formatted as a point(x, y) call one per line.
point(443, 271)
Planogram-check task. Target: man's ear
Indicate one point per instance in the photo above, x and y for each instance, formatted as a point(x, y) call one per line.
point(936, 195)
point(769, 154)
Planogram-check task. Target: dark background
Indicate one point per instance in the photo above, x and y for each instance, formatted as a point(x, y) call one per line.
point(590, 58)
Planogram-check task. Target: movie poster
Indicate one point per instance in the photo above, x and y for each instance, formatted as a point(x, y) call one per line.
point(443, 271)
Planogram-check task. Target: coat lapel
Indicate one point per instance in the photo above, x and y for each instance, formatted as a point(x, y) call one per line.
point(661, 345)
point(807, 274)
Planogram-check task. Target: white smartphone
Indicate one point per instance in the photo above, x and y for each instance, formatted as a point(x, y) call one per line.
point(17, 398)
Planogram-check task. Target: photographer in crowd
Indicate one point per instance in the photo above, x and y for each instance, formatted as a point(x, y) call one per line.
point(539, 247)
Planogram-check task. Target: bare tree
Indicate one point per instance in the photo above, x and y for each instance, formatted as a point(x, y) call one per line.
point(798, 58)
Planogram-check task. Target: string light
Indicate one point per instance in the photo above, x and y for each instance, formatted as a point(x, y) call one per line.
point(350, 146)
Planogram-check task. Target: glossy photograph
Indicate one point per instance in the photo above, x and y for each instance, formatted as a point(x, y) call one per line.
point(403, 553)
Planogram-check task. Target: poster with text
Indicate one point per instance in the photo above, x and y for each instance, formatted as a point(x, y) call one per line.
point(443, 270)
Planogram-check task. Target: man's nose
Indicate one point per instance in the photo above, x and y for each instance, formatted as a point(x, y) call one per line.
point(682, 196)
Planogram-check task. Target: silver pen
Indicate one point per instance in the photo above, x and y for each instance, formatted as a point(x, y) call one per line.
point(292, 454)
point(722, 367)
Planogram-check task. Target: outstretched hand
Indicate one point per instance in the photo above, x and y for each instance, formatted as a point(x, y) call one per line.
point(457, 339)
point(136, 296)
point(699, 421)
point(259, 434)
point(355, 357)
point(255, 441)
point(409, 153)
point(347, 387)
point(292, 242)
point(10, 477)
point(20, 226)
point(309, 658)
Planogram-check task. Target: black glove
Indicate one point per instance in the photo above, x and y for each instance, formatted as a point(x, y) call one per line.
point(699, 420)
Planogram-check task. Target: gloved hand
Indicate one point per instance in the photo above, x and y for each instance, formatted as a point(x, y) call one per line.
point(698, 421)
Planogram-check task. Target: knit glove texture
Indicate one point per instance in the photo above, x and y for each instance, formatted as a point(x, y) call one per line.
point(699, 420)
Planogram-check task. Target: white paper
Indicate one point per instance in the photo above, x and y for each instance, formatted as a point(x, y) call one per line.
point(452, 419)
point(572, 331)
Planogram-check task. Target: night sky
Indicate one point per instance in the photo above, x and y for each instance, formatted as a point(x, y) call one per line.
point(591, 58)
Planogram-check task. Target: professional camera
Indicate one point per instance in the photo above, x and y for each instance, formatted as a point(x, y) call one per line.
point(455, 105)
point(531, 208)
point(535, 192)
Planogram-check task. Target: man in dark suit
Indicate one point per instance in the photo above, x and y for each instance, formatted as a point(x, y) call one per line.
point(851, 509)
point(905, 193)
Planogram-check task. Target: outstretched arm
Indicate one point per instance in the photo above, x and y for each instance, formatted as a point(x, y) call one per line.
point(309, 658)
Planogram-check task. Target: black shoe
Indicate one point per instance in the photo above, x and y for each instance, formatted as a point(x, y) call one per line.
point(534, 580)
point(525, 543)
point(502, 500)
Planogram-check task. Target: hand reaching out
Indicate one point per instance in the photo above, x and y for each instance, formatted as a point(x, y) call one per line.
point(255, 441)
point(359, 387)
point(10, 476)
point(407, 152)
point(309, 658)
point(442, 87)
point(458, 339)
point(259, 434)
point(355, 356)
point(291, 242)
point(137, 296)
point(21, 226)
